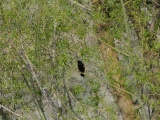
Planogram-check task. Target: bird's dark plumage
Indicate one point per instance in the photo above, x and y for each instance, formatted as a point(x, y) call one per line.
point(81, 67)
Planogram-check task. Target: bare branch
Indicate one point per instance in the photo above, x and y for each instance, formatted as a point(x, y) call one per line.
point(80, 5)
point(11, 111)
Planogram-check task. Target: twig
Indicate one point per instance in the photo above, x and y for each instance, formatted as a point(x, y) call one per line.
point(11, 111)
point(70, 105)
point(2, 11)
point(80, 5)
point(111, 46)
point(34, 77)
point(54, 42)
point(69, 98)
point(156, 3)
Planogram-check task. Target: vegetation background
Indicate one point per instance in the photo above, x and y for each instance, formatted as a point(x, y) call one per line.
point(41, 41)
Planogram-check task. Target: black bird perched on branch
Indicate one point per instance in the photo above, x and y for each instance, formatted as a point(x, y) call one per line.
point(81, 67)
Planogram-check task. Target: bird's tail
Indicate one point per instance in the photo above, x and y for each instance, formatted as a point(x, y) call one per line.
point(82, 74)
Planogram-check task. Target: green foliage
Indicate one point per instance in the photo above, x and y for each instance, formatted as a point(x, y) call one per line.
point(78, 90)
point(41, 27)
point(94, 85)
point(94, 101)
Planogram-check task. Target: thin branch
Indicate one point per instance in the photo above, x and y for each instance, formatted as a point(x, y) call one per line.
point(11, 111)
point(80, 5)
point(69, 98)
point(70, 103)
point(34, 76)
point(54, 43)
point(156, 3)
point(2, 12)
point(111, 46)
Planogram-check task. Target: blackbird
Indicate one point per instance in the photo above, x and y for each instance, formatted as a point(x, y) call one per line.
point(81, 67)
